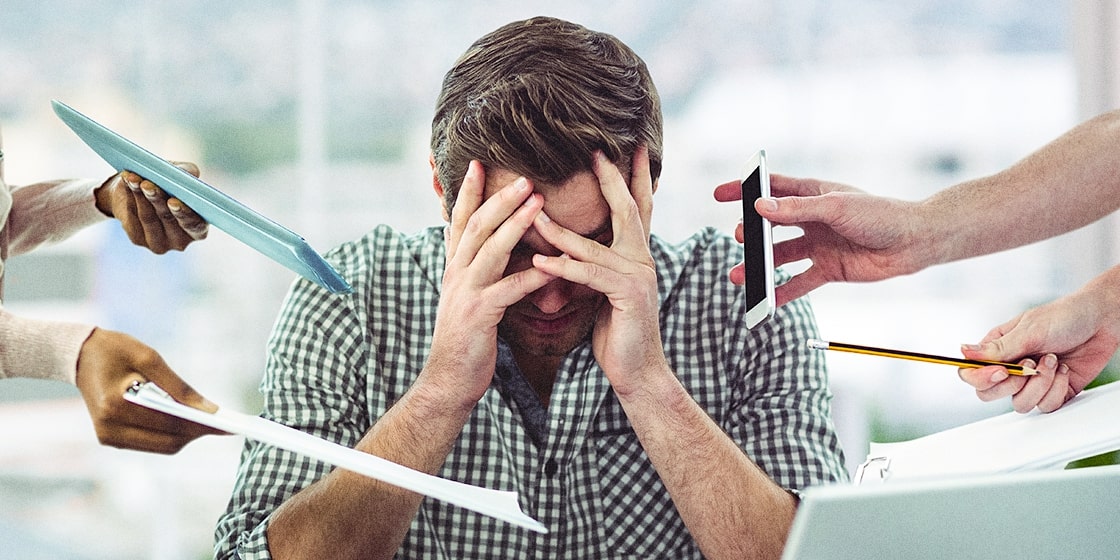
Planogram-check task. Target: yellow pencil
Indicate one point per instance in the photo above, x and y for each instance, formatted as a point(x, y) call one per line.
point(1013, 369)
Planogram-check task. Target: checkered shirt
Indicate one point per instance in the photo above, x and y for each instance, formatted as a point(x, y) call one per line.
point(337, 363)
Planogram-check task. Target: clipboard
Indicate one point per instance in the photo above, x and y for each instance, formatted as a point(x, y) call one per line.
point(1006, 443)
point(499, 504)
point(220, 210)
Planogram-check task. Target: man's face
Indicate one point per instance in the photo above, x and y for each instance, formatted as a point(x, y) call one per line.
point(554, 319)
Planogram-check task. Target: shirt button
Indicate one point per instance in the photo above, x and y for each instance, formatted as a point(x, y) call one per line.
point(550, 467)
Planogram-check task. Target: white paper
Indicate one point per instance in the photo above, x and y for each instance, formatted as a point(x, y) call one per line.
point(499, 504)
point(1088, 425)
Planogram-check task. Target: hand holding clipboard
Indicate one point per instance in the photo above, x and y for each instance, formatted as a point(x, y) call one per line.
point(223, 212)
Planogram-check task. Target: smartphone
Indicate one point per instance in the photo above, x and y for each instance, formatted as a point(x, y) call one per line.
point(758, 248)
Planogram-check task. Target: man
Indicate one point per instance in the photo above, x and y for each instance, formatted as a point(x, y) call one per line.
point(543, 343)
point(1070, 182)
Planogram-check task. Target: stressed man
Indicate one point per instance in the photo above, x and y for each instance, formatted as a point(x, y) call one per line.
point(543, 342)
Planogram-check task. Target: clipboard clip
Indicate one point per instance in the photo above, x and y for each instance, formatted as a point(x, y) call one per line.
point(146, 387)
point(875, 470)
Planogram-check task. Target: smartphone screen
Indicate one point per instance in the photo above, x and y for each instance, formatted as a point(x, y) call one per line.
point(758, 250)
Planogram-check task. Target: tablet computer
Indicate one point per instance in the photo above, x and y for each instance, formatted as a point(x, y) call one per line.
point(220, 210)
point(758, 247)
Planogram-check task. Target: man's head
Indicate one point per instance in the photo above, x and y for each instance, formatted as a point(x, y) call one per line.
point(538, 97)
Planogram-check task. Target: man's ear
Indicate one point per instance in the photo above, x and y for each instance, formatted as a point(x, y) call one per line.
point(438, 187)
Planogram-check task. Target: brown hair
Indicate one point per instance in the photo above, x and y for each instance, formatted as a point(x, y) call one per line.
point(538, 97)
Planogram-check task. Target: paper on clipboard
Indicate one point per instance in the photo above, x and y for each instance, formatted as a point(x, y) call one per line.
point(499, 504)
point(220, 210)
point(1011, 442)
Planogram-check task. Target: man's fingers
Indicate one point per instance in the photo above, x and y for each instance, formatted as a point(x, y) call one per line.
point(1059, 392)
point(799, 285)
point(187, 166)
point(627, 224)
point(489, 218)
point(729, 191)
point(494, 254)
point(188, 220)
point(641, 186)
point(467, 202)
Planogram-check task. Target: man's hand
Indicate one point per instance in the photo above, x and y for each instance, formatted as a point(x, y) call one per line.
point(476, 291)
point(108, 364)
point(149, 217)
point(626, 338)
point(850, 236)
point(1076, 336)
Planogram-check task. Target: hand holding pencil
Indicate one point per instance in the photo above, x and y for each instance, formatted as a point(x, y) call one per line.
point(1046, 384)
point(1013, 369)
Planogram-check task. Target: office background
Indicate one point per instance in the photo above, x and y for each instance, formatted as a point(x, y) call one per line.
point(317, 113)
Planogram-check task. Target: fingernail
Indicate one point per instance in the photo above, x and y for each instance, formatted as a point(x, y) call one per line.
point(522, 184)
point(174, 205)
point(1049, 361)
point(148, 191)
point(970, 347)
point(769, 204)
point(998, 376)
point(544, 217)
point(208, 406)
point(132, 185)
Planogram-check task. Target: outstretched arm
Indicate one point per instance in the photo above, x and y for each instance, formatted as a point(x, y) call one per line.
point(1075, 336)
point(852, 236)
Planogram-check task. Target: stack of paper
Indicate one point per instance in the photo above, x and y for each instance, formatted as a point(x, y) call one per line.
point(1087, 425)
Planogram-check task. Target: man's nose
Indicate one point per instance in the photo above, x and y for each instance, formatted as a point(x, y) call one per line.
point(552, 297)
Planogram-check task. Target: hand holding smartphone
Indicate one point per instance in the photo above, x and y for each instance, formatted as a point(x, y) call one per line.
point(758, 247)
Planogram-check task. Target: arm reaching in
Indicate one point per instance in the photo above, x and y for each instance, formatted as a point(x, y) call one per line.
point(149, 217)
point(108, 364)
point(849, 235)
point(852, 236)
point(1075, 335)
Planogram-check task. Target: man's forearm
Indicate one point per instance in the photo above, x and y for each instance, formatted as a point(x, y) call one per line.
point(1068, 183)
point(347, 515)
point(732, 508)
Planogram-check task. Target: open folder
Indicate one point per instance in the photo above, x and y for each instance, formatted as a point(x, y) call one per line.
point(1086, 426)
point(499, 504)
point(220, 210)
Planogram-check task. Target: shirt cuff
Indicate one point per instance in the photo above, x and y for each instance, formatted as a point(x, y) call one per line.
point(253, 545)
point(40, 349)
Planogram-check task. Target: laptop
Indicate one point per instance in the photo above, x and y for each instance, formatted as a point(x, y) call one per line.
point(1037, 514)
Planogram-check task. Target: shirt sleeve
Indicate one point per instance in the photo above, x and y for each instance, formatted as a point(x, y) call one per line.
point(49, 212)
point(40, 349)
point(309, 384)
point(785, 423)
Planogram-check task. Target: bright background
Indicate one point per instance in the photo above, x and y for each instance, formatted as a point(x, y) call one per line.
point(317, 114)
